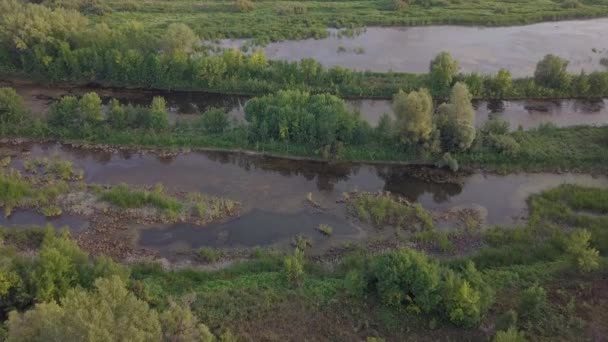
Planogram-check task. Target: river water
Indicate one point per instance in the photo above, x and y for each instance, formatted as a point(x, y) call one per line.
point(273, 193)
point(479, 49)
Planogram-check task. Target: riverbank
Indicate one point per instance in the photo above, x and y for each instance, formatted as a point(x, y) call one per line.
point(548, 149)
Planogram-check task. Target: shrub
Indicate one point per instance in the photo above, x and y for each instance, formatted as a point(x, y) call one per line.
point(570, 4)
point(294, 267)
point(244, 5)
point(551, 72)
point(208, 254)
point(414, 112)
point(407, 278)
point(496, 126)
point(510, 335)
point(400, 5)
point(462, 301)
point(456, 120)
point(582, 255)
point(12, 109)
point(533, 303)
point(325, 229)
point(291, 115)
point(214, 120)
point(448, 161)
point(504, 144)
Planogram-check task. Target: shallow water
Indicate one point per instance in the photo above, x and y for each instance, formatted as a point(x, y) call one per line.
point(479, 49)
point(24, 218)
point(186, 106)
point(273, 192)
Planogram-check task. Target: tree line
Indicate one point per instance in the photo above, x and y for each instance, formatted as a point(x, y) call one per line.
point(60, 44)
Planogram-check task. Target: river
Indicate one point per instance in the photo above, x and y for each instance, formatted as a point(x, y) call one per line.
point(479, 49)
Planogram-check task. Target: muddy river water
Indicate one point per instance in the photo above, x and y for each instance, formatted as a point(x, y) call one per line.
point(186, 105)
point(479, 49)
point(273, 193)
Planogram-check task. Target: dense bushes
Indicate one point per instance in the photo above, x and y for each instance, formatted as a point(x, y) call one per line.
point(78, 297)
point(294, 116)
point(409, 279)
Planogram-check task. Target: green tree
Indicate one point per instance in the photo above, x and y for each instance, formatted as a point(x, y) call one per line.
point(456, 120)
point(500, 84)
point(582, 255)
point(551, 72)
point(117, 115)
point(294, 267)
point(215, 120)
point(12, 109)
point(414, 112)
point(61, 265)
point(90, 108)
point(108, 313)
point(533, 303)
point(407, 278)
point(63, 114)
point(442, 71)
point(179, 324)
point(157, 117)
point(179, 38)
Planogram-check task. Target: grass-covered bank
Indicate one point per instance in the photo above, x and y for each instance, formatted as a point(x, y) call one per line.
point(277, 20)
point(543, 280)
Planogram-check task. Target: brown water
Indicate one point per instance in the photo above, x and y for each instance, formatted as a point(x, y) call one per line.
point(185, 106)
point(480, 49)
point(21, 218)
point(273, 192)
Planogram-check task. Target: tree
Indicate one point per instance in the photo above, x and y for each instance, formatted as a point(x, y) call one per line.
point(179, 324)
point(179, 38)
point(12, 109)
point(60, 266)
point(294, 267)
point(215, 120)
point(500, 84)
point(117, 115)
point(414, 112)
point(551, 72)
point(442, 71)
point(407, 278)
point(64, 113)
point(108, 313)
point(157, 117)
point(583, 256)
point(90, 108)
point(456, 120)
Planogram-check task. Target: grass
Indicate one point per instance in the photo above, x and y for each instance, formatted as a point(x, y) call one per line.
point(208, 254)
point(277, 20)
point(202, 208)
point(125, 197)
point(386, 210)
point(325, 229)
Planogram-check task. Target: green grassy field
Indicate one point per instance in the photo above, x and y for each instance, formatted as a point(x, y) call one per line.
point(276, 20)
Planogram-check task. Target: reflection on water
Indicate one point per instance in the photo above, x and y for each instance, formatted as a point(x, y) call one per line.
point(256, 228)
point(185, 106)
point(479, 49)
point(280, 185)
point(22, 218)
point(273, 191)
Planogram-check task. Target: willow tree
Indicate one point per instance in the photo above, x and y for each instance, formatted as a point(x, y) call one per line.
point(414, 113)
point(456, 120)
